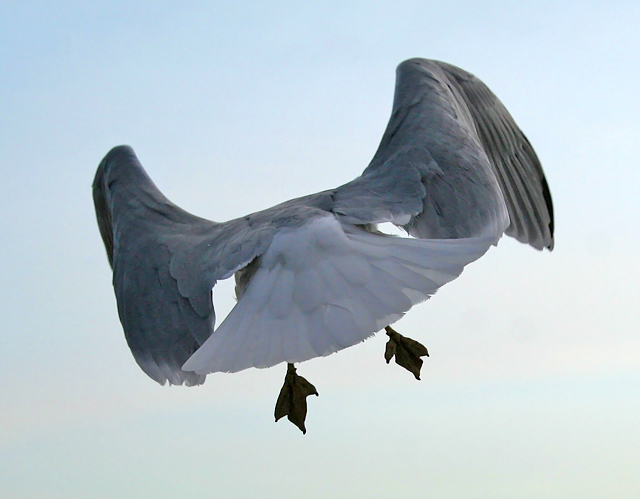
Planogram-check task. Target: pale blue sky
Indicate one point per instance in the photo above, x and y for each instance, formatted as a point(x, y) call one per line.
point(533, 385)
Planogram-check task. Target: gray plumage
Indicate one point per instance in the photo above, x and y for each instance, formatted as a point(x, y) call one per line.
point(453, 169)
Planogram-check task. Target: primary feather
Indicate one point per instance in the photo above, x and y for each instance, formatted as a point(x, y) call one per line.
point(313, 274)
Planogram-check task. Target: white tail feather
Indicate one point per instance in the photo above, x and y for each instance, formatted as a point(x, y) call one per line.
point(324, 287)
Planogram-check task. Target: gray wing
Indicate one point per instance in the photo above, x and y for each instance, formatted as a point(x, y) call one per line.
point(515, 162)
point(164, 266)
point(452, 163)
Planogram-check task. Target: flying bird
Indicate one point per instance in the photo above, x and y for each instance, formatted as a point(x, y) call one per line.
point(314, 275)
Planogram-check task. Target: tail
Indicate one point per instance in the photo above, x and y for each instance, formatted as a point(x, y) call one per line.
point(324, 287)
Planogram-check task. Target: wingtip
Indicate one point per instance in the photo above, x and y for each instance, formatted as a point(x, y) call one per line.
point(114, 152)
point(118, 150)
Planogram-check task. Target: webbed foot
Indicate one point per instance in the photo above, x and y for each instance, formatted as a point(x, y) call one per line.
point(406, 350)
point(292, 401)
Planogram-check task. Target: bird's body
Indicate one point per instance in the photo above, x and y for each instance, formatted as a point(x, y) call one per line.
point(313, 275)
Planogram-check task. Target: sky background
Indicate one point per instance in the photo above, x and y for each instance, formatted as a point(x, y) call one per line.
point(532, 389)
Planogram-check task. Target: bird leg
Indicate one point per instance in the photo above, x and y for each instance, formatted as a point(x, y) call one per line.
point(406, 350)
point(292, 401)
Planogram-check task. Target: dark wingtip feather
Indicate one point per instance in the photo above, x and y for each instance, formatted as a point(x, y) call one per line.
point(100, 199)
point(546, 193)
point(103, 210)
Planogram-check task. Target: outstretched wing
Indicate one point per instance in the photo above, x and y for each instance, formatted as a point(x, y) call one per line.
point(165, 263)
point(515, 162)
point(324, 286)
point(452, 163)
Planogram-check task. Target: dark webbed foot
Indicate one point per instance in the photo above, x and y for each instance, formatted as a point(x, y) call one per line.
point(292, 401)
point(406, 350)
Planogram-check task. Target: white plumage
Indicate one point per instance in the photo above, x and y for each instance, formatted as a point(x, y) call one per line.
point(324, 287)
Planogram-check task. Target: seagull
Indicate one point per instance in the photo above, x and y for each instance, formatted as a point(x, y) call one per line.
point(315, 275)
